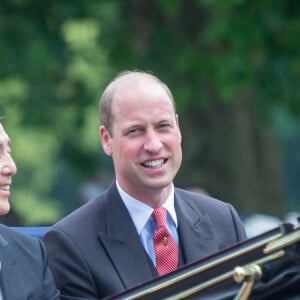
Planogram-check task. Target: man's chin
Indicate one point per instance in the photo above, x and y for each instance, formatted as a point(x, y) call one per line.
point(158, 184)
point(4, 207)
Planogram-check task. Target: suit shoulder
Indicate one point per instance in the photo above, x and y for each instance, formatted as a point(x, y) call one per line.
point(86, 214)
point(204, 204)
point(198, 199)
point(222, 214)
point(14, 234)
point(19, 240)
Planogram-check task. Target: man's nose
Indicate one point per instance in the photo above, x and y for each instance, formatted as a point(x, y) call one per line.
point(9, 166)
point(153, 142)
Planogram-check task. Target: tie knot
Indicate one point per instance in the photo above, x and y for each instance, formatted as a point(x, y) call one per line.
point(160, 216)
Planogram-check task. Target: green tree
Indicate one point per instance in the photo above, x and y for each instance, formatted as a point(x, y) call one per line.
point(230, 64)
point(53, 67)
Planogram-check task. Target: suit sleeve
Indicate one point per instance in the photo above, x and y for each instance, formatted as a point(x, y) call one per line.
point(49, 287)
point(68, 266)
point(238, 225)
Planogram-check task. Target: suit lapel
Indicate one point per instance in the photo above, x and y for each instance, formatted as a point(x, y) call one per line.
point(195, 231)
point(122, 243)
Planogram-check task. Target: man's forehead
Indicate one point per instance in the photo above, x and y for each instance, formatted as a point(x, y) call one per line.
point(135, 84)
point(3, 135)
point(1, 129)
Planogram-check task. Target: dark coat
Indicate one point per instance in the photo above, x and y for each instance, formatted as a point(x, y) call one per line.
point(24, 273)
point(96, 252)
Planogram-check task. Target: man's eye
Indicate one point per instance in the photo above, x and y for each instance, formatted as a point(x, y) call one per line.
point(134, 131)
point(165, 125)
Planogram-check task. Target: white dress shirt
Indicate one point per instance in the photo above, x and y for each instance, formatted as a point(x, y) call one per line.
point(144, 223)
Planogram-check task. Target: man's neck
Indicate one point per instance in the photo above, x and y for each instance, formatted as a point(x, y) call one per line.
point(150, 196)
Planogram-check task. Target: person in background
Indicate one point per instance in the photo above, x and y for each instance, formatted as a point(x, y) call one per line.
point(142, 226)
point(24, 273)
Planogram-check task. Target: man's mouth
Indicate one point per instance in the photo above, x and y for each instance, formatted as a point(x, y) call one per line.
point(4, 187)
point(154, 164)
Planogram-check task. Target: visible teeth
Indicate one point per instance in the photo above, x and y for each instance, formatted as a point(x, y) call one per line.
point(4, 187)
point(154, 163)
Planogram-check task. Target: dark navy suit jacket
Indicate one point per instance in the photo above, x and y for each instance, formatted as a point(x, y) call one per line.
point(95, 251)
point(24, 273)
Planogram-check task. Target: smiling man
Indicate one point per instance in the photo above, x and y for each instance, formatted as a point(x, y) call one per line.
point(142, 227)
point(24, 273)
point(8, 170)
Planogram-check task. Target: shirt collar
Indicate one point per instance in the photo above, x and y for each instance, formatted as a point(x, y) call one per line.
point(141, 212)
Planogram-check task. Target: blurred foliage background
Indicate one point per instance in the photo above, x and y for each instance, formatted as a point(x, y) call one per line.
point(233, 67)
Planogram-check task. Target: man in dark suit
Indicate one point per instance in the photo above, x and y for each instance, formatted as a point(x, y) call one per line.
point(23, 261)
point(107, 245)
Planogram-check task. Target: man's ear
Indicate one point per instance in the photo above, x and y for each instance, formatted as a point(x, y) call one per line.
point(105, 140)
point(177, 122)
